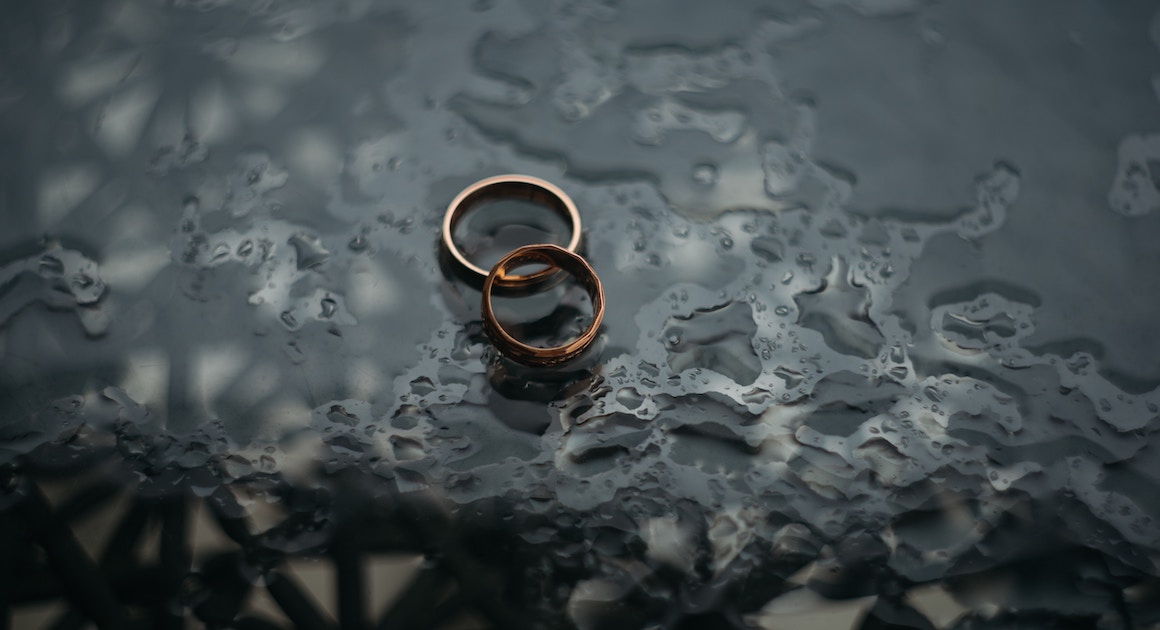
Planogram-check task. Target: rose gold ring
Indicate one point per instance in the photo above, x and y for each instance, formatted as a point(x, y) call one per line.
point(557, 258)
point(523, 187)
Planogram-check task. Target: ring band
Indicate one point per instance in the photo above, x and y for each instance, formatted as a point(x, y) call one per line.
point(523, 187)
point(557, 258)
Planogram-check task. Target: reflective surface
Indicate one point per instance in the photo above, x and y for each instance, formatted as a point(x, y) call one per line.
point(879, 345)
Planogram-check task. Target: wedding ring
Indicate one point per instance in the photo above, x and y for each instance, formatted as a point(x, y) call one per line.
point(557, 258)
point(521, 187)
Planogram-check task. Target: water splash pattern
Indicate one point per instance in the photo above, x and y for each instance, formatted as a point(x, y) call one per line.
point(763, 414)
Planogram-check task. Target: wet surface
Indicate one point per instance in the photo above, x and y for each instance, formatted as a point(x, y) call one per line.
point(879, 348)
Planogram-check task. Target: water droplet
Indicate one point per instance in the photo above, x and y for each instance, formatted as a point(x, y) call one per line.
point(51, 265)
point(339, 415)
point(310, 251)
point(833, 229)
point(705, 174)
point(82, 281)
point(422, 386)
point(358, 243)
point(768, 249)
point(406, 449)
point(629, 397)
point(329, 307)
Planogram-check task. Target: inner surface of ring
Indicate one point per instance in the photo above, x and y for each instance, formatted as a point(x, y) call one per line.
point(521, 192)
point(559, 318)
point(495, 227)
point(516, 190)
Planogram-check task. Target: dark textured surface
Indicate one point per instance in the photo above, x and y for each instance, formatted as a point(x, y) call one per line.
point(880, 344)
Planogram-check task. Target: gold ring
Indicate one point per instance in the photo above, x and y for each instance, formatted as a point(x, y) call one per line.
point(525, 187)
point(557, 258)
